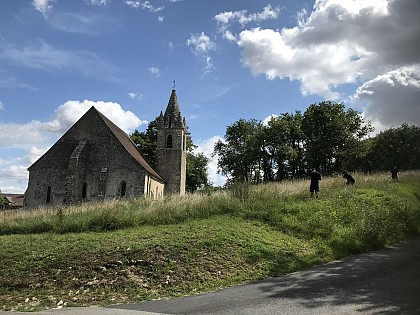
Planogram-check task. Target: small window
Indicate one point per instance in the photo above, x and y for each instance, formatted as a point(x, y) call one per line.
point(169, 141)
point(48, 200)
point(84, 191)
point(123, 189)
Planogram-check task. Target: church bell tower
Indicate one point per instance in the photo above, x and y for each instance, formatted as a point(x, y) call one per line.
point(171, 150)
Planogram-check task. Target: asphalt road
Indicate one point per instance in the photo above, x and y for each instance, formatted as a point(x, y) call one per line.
point(383, 282)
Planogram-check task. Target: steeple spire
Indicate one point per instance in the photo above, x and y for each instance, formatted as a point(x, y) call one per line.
point(172, 117)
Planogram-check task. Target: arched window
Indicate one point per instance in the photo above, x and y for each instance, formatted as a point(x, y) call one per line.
point(48, 199)
point(84, 191)
point(123, 189)
point(169, 141)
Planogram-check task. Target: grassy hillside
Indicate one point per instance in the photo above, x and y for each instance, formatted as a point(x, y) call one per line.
point(122, 252)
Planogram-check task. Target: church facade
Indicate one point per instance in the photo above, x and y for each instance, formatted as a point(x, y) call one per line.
point(95, 160)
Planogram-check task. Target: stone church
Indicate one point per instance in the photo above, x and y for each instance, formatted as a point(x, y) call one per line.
point(95, 160)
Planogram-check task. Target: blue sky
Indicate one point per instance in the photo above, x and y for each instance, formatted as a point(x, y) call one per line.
point(230, 60)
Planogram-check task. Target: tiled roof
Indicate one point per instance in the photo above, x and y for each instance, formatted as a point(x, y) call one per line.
point(14, 199)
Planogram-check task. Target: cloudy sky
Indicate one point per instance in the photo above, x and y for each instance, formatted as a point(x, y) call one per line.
point(230, 60)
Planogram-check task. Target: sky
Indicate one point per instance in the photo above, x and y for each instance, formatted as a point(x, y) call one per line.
point(230, 59)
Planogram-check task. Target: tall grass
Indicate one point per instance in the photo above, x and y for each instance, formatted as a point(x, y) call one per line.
point(373, 213)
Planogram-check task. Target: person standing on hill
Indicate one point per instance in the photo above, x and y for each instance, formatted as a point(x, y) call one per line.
point(394, 173)
point(349, 179)
point(315, 177)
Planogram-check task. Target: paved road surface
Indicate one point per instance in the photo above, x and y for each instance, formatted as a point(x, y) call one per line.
point(383, 282)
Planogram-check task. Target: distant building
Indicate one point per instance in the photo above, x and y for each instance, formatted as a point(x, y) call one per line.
point(96, 160)
point(11, 201)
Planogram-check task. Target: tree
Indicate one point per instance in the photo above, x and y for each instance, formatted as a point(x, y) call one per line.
point(398, 147)
point(332, 135)
point(146, 141)
point(285, 145)
point(3, 201)
point(196, 163)
point(197, 176)
point(239, 155)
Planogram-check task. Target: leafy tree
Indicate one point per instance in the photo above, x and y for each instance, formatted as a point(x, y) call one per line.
point(197, 176)
point(146, 141)
point(362, 159)
point(398, 147)
point(239, 155)
point(3, 201)
point(285, 145)
point(332, 135)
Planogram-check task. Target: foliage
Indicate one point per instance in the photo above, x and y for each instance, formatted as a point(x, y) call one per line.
point(327, 137)
point(147, 249)
point(398, 147)
point(146, 141)
point(284, 144)
point(3, 201)
point(196, 171)
point(332, 135)
point(238, 156)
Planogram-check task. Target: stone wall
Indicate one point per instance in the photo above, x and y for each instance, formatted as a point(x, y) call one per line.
point(87, 164)
point(171, 162)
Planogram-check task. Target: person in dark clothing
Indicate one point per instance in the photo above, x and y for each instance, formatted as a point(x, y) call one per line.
point(349, 179)
point(394, 173)
point(315, 177)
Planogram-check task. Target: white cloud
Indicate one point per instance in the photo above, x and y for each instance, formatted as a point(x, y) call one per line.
point(161, 19)
point(207, 147)
point(14, 175)
point(225, 19)
point(383, 96)
point(38, 133)
point(1, 105)
point(68, 113)
point(43, 6)
point(200, 44)
point(366, 43)
point(144, 5)
point(92, 24)
point(98, 2)
point(267, 119)
point(243, 18)
point(154, 71)
point(45, 56)
point(135, 96)
point(14, 83)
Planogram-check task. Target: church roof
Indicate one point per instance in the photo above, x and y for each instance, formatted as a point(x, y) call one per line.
point(128, 144)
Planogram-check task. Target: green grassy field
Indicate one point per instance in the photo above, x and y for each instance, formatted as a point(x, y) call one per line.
point(120, 252)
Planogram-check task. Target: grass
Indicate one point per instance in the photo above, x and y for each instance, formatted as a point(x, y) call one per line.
point(128, 251)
